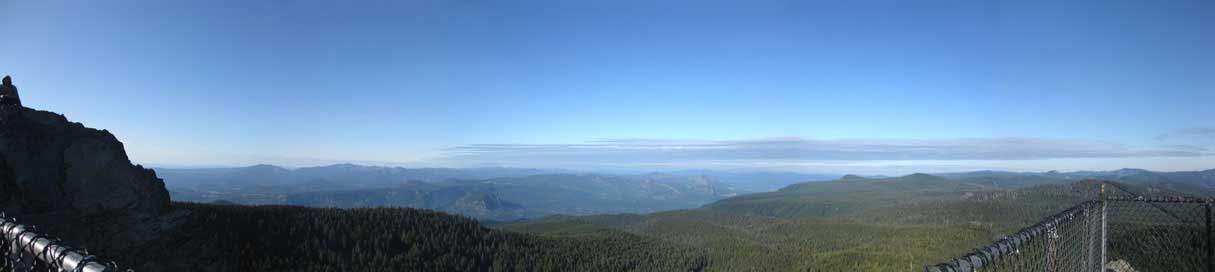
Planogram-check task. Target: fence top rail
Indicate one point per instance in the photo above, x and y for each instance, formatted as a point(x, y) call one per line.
point(1130, 195)
point(1165, 199)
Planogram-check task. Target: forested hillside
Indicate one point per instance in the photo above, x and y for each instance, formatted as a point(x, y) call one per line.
point(283, 238)
point(851, 224)
point(913, 199)
point(737, 242)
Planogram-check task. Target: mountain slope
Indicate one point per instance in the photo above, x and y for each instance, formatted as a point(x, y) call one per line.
point(848, 196)
point(478, 202)
point(280, 238)
point(581, 194)
point(741, 242)
point(752, 181)
point(499, 199)
point(850, 224)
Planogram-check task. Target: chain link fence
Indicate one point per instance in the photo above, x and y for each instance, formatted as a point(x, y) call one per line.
point(1159, 234)
point(1126, 228)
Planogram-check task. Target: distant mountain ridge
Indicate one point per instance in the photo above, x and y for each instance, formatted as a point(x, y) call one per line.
point(754, 181)
point(348, 176)
point(1200, 182)
point(507, 194)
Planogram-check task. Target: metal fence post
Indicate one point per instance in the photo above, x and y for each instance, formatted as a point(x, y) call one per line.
point(1104, 241)
point(1210, 249)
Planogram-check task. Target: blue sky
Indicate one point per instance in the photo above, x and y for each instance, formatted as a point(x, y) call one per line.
point(881, 87)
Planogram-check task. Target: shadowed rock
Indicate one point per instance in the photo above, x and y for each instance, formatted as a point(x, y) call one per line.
point(76, 183)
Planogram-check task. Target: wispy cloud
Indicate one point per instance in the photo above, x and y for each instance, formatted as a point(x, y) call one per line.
point(1191, 133)
point(658, 151)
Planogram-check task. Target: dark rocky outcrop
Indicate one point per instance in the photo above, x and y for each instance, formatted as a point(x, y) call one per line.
point(58, 165)
point(76, 183)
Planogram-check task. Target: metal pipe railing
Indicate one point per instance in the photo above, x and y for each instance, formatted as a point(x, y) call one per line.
point(22, 240)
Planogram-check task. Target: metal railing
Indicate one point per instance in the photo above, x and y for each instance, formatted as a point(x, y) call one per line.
point(1122, 231)
point(25, 250)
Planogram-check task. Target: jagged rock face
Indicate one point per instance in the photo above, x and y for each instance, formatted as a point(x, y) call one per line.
point(56, 165)
point(77, 183)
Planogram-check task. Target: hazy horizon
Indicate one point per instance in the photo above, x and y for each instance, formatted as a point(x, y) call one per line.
point(636, 170)
point(813, 87)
